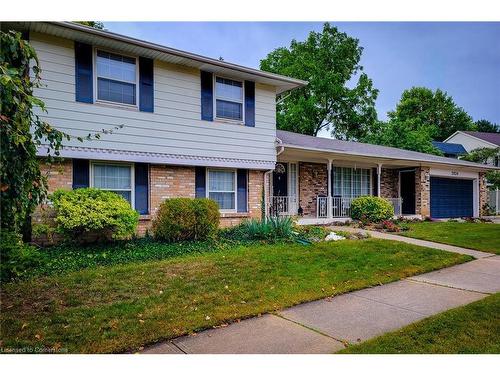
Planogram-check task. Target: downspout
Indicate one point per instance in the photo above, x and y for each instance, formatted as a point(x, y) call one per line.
point(267, 175)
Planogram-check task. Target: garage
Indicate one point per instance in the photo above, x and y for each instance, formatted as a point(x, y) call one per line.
point(451, 197)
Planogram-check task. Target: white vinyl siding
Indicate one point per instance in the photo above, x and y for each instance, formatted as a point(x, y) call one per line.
point(175, 127)
point(222, 188)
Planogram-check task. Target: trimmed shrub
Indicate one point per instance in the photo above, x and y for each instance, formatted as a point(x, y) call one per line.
point(371, 209)
point(17, 258)
point(180, 219)
point(91, 214)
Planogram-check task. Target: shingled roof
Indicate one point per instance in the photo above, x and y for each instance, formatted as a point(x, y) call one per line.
point(488, 137)
point(307, 142)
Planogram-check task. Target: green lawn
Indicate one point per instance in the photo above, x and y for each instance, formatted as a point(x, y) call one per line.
point(473, 328)
point(122, 307)
point(478, 236)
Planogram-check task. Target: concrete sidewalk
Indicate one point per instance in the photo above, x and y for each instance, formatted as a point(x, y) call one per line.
point(324, 326)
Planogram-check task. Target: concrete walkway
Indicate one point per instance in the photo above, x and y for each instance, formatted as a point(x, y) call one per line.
point(325, 326)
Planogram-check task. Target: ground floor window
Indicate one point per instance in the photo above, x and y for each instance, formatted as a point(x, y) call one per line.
point(351, 182)
point(114, 177)
point(222, 188)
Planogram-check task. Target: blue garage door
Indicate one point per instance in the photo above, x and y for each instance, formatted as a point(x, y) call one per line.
point(451, 198)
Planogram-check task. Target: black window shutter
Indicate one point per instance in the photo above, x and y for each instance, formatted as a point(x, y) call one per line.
point(83, 73)
point(249, 103)
point(207, 93)
point(81, 173)
point(200, 182)
point(146, 98)
point(141, 188)
point(242, 187)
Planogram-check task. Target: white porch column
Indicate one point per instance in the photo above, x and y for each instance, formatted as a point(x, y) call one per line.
point(329, 184)
point(379, 172)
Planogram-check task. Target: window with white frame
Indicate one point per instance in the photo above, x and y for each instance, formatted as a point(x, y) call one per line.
point(116, 78)
point(222, 188)
point(350, 182)
point(113, 177)
point(228, 99)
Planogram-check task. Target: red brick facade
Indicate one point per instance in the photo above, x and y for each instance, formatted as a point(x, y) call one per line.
point(483, 193)
point(423, 191)
point(389, 183)
point(312, 183)
point(166, 181)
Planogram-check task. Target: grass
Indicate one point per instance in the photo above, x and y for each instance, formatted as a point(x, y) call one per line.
point(122, 307)
point(473, 328)
point(478, 236)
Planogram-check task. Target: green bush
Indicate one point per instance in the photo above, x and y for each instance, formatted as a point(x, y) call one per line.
point(180, 219)
point(371, 209)
point(89, 213)
point(272, 229)
point(17, 258)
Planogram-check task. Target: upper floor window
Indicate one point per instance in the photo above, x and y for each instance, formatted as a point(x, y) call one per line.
point(228, 99)
point(116, 78)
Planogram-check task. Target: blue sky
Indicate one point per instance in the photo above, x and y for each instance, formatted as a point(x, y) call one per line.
point(460, 58)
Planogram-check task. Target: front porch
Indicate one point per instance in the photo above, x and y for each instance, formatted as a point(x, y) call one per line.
point(321, 192)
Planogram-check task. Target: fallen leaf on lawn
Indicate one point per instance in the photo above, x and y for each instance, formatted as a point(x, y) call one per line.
point(37, 336)
point(207, 318)
point(161, 291)
point(24, 325)
point(243, 301)
point(141, 321)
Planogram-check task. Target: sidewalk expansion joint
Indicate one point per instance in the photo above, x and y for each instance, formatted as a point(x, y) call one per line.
point(343, 342)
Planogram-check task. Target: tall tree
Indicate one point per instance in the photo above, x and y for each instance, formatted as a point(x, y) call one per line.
point(339, 97)
point(421, 116)
point(486, 126)
point(433, 111)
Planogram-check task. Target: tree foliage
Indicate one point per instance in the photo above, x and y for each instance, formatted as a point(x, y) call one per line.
point(486, 155)
point(23, 186)
point(421, 116)
point(95, 24)
point(22, 132)
point(333, 100)
point(486, 126)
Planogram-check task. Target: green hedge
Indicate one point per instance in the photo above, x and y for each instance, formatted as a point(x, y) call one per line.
point(371, 209)
point(180, 219)
point(17, 258)
point(93, 214)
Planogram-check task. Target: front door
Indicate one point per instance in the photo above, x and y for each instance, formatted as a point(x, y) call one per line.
point(407, 187)
point(280, 180)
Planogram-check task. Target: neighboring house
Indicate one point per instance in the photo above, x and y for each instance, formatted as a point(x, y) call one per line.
point(200, 127)
point(471, 140)
point(450, 150)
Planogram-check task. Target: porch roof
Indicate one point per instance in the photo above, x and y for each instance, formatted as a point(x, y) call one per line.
point(330, 147)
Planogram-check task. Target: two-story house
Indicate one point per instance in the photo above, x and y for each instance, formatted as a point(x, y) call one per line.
point(192, 126)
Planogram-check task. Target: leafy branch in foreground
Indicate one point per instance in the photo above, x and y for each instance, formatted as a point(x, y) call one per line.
point(22, 185)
